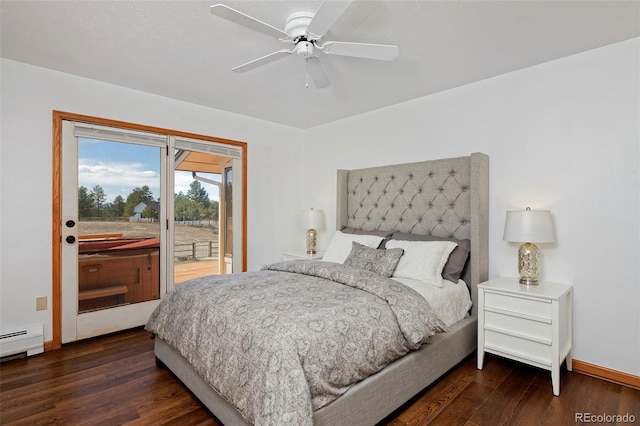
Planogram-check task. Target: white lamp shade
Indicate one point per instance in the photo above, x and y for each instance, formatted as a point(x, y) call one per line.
point(312, 219)
point(530, 226)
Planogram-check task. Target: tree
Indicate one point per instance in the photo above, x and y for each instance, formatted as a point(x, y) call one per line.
point(198, 194)
point(150, 212)
point(181, 206)
point(85, 202)
point(214, 210)
point(98, 197)
point(136, 196)
point(116, 208)
point(196, 211)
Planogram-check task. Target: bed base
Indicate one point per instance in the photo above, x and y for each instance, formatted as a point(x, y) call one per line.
point(368, 401)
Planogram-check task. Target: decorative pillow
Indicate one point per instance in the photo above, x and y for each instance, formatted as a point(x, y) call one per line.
point(382, 262)
point(457, 259)
point(422, 260)
point(386, 235)
point(340, 245)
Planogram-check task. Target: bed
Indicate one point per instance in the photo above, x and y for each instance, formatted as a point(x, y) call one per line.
point(445, 199)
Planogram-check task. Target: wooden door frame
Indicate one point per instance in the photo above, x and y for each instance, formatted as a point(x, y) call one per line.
point(56, 216)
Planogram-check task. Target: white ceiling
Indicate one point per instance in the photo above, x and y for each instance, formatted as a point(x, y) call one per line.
point(180, 50)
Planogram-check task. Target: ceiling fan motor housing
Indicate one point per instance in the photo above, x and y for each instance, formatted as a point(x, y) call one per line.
point(297, 24)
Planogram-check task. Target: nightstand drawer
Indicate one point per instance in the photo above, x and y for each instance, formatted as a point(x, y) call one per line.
point(518, 304)
point(523, 349)
point(539, 331)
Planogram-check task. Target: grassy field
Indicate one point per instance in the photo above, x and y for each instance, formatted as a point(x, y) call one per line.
point(184, 233)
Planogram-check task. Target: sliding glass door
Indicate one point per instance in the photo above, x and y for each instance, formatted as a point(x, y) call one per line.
point(136, 220)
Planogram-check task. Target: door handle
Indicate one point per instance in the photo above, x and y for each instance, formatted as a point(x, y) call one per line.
point(71, 239)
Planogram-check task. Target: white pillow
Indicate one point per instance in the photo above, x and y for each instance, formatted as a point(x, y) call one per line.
point(422, 260)
point(341, 244)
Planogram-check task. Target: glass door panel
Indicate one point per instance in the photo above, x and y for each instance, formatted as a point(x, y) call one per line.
point(118, 224)
point(228, 219)
point(197, 219)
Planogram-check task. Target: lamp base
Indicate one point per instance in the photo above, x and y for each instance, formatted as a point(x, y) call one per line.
point(528, 264)
point(528, 281)
point(312, 241)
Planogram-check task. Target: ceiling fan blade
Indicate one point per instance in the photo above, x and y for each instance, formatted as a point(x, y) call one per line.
point(326, 15)
point(316, 71)
point(271, 57)
point(238, 17)
point(383, 52)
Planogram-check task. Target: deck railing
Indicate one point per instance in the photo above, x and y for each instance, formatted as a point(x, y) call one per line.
point(196, 250)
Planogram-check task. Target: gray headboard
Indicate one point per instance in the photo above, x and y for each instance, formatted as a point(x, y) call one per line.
point(445, 198)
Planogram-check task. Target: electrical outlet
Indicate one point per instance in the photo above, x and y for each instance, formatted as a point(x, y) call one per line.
point(41, 303)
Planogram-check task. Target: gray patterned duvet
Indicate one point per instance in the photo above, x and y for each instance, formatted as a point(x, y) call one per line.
point(285, 341)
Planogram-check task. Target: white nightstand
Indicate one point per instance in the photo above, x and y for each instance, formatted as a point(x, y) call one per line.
point(527, 324)
point(303, 255)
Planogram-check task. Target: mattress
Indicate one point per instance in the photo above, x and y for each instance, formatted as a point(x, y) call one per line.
point(451, 302)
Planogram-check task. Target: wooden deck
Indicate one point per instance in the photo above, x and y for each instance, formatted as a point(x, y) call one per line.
point(201, 268)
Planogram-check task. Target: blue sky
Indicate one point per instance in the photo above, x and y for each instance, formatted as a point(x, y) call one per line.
point(120, 167)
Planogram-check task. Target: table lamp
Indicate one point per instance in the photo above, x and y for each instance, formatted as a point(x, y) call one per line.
point(528, 227)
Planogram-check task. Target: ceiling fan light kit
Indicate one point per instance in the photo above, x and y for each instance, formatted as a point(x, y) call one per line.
point(304, 30)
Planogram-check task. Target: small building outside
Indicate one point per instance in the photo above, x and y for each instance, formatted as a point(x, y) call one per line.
point(138, 211)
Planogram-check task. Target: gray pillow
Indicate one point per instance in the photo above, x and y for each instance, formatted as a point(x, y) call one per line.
point(382, 262)
point(386, 235)
point(457, 259)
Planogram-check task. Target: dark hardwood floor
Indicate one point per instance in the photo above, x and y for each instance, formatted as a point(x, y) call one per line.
point(114, 380)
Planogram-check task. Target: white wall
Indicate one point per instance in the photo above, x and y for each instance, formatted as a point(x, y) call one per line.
point(30, 94)
point(562, 136)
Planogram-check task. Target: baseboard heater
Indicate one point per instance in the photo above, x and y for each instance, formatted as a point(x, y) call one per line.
point(29, 340)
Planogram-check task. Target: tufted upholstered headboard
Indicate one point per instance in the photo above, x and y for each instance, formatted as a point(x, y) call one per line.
point(444, 198)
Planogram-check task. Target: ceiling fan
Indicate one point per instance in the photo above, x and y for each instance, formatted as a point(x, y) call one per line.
point(305, 30)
